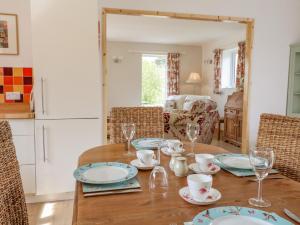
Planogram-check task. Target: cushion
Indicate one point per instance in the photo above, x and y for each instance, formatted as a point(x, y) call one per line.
point(170, 105)
point(179, 100)
point(201, 106)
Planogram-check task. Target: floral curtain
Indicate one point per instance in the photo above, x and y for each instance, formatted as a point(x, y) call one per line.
point(240, 71)
point(217, 70)
point(173, 73)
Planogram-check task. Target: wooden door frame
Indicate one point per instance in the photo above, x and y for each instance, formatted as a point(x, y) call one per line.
point(249, 22)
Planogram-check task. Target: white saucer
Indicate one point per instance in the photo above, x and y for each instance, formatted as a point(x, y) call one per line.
point(213, 196)
point(213, 170)
point(137, 163)
point(167, 152)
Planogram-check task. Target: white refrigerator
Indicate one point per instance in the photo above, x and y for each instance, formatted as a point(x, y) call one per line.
point(67, 88)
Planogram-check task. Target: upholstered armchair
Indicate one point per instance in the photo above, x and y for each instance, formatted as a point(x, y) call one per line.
point(200, 110)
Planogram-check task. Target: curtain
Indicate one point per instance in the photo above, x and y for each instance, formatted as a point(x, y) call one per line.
point(240, 71)
point(217, 70)
point(173, 73)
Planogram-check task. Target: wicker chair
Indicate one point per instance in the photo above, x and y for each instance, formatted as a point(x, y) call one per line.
point(282, 133)
point(148, 122)
point(12, 200)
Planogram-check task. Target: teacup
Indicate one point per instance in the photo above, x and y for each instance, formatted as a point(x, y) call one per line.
point(146, 156)
point(205, 161)
point(175, 145)
point(199, 186)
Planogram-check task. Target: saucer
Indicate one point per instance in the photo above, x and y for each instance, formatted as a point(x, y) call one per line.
point(137, 163)
point(167, 152)
point(214, 196)
point(213, 170)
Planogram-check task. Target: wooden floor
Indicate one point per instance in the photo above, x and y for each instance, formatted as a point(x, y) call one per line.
point(60, 213)
point(50, 213)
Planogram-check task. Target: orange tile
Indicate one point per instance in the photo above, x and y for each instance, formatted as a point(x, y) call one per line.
point(8, 88)
point(1, 80)
point(8, 80)
point(18, 80)
point(27, 89)
point(1, 71)
point(18, 72)
point(1, 98)
point(26, 98)
point(18, 88)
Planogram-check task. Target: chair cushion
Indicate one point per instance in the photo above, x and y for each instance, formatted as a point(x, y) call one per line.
point(170, 105)
point(179, 99)
point(199, 106)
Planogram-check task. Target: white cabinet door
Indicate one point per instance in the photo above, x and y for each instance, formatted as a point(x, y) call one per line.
point(25, 149)
point(66, 58)
point(59, 143)
point(28, 178)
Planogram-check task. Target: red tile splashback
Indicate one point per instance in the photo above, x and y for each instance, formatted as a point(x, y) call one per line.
point(16, 79)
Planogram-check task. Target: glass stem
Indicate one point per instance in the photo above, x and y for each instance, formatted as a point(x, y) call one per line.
point(193, 147)
point(128, 145)
point(259, 195)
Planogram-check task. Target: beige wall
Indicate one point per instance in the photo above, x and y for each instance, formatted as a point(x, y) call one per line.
point(276, 27)
point(22, 9)
point(207, 84)
point(125, 77)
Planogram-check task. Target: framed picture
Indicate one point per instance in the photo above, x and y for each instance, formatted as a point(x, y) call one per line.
point(9, 40)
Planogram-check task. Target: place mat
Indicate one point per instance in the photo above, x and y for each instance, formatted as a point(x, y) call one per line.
point(239, 172)
point(124, 185)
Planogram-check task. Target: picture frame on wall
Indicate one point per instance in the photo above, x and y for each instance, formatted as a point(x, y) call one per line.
point(9, 36)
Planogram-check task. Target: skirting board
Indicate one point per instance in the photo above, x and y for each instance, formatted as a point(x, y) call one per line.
point(30, 198)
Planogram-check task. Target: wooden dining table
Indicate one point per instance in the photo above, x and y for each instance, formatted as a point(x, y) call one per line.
point(143, 208)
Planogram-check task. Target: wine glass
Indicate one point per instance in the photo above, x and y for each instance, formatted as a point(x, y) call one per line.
point(262, 160)
point(128, 130)
point(158, 181)
point(192, 130)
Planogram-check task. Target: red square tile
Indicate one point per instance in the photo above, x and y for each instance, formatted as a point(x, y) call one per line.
point(27, 89)
point(27, 80)
point(7, 71)
point(8, 88)
point(27, 72)
point(18, 80)
point(8, 80)
point(26, 98)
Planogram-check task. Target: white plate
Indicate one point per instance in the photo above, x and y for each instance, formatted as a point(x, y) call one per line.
point(137, 163)
point(238, 220)
point(213, 170)
point(213, 196)
point(105, 174)
point(167, 151)
point(238, 162)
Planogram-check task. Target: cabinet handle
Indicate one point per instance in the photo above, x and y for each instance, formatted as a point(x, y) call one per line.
point(45, 157)
point(42, 90)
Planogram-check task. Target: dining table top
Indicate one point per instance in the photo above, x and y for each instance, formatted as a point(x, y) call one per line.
point(143, 208)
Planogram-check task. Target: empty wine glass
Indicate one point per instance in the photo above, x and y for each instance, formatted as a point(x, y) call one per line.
point(128, 130)
point(262, 160)
point(192, 131)
point(158, 181)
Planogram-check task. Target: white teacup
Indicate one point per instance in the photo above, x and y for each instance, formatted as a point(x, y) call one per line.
point(205, 161)
point(175, 145)
point(146, 156)
point(199, 186)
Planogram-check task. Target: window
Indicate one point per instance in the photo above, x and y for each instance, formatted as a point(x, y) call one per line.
point(229, 64)
point(154, 79)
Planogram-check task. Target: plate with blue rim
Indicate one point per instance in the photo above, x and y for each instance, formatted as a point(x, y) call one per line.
point(234, 215)
point(147, 143)
point(105, 173)
point(235, 161)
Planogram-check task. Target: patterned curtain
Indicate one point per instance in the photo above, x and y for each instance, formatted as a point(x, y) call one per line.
point(240, 71)
point(173, 73)
point(217, 70)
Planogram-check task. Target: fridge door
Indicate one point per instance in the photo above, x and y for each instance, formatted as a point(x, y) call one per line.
point(66, 67)
point(59, 143)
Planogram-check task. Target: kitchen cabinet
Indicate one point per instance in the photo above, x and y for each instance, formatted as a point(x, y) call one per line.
point(233, 118)
point(59, 143)
point(66, 59)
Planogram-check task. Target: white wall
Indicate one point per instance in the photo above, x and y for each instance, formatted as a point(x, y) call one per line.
point(22, 9)
point(276, 27)
point(124, 82)
point(207, 84)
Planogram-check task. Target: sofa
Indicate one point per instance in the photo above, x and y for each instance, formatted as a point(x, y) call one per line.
point(179, 110)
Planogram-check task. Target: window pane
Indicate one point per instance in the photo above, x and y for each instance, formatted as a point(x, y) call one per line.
point(229, 63)
point(154, 70)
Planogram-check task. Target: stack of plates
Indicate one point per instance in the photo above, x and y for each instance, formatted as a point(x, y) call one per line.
point(233, 215)
point(235, 161)
point(147, 143)
point(106, 176)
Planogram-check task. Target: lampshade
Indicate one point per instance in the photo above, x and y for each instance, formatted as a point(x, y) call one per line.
point(194, 78)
